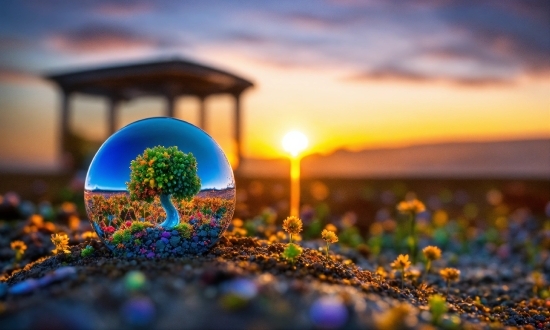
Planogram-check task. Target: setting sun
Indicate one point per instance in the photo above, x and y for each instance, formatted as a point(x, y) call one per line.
point(294, 142)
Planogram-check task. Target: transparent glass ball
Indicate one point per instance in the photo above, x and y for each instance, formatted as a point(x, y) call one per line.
point(160, 187)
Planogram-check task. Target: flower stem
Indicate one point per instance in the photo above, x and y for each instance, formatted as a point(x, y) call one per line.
point(402, 277)
point(428, 266)
point(327, 250)
point(414, 246)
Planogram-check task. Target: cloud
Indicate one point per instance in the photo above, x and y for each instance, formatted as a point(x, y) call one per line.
point(123, 8)
point(459, 41)
point(11, 43)
point(102, 38)
point(246, 38)
point(391, 74)
point(421, 40)
point(517, 30)
point(19, 77)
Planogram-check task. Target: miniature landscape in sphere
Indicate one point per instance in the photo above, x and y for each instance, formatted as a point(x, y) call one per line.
point(148, 195)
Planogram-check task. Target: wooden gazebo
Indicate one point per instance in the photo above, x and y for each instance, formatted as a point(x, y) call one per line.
point(169, 79)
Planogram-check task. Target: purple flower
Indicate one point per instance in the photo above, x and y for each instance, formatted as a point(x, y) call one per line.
point(150, 255)
point(166, 234)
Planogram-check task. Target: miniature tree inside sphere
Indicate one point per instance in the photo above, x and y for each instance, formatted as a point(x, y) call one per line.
point(167, 173)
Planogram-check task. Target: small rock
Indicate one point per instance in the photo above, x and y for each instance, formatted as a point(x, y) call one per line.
point(24, 287)
point(139, 311)
point(3, 290)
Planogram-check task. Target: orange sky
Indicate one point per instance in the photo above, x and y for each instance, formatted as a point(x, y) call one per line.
point(333, 112)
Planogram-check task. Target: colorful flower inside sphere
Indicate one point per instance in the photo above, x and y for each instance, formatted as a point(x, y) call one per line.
point(160, 187)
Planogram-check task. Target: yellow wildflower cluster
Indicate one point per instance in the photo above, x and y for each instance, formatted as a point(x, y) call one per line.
point(331, 227)
point(450, 274)
point(329, 236)
point(398, 317)
point(35, 223)
point(432, 252)
point(18, 246)
point(411, 206)
point(88, 235)
point(402, 262)
point(292, 225)
point(61, 242)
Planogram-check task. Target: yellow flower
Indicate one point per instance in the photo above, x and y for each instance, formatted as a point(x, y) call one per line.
point(292, 225)
point(281, 236)
point(329, 236)
point(450, 274)
point(74, 222)
point(331, 227)
point(411, 206)
point(36, 220)
point(398, 317)
point(402, 262)
point(18, 246)
point(380, 271)
point(237, 223)
point(432, 252)
point(61, 242)
point(88, 235)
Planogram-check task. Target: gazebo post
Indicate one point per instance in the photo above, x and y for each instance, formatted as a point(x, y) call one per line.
point(238, 126)
point(170, 106)
point(113, 109)
point(65, 120)
point(202, 113)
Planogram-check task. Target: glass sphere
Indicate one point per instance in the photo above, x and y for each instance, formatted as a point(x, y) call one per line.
point(159, 187)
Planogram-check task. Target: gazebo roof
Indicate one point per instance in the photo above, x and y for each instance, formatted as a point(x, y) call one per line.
point(165, 78)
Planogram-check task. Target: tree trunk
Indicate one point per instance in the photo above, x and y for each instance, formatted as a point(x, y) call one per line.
point(172, 215)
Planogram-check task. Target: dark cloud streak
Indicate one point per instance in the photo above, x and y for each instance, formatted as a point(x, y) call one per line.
point(395, 74)
point(19, 77)
point(104, 38)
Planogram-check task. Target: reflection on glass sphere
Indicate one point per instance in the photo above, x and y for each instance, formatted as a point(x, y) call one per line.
point(160, 187)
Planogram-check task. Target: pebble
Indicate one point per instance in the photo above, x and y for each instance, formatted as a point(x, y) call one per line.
point(139, 311)
point(328, 312)
point(24, 287)
point(30, 285)
point(134, 280)
point(3, 290)
point(243, 288)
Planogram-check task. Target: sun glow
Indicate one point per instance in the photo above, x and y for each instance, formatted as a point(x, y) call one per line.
point(294, 142)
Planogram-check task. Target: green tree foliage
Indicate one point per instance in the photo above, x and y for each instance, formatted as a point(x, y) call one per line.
point(163, 171)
